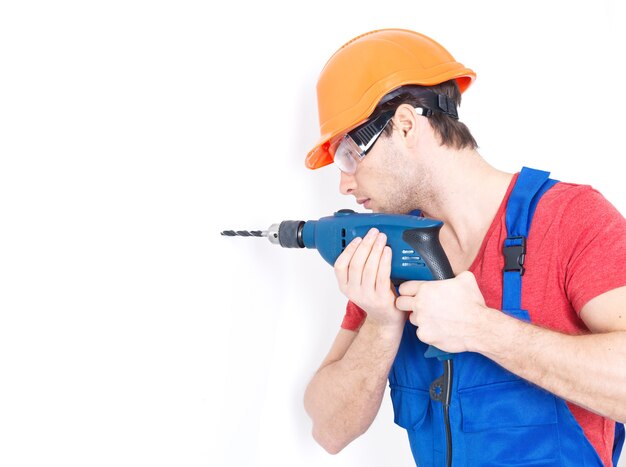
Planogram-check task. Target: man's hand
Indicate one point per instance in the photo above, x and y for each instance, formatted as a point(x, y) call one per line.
point(363, 272)
point(447, 313)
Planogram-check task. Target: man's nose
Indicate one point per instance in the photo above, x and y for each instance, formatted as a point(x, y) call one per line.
point(347, 183)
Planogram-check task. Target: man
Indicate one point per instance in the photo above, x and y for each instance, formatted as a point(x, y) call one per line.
point(540, 370)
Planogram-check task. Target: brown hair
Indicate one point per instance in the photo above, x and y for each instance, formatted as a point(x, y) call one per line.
point(451, 132)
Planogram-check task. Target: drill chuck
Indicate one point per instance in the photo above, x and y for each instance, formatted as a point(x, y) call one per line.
point(290, 234)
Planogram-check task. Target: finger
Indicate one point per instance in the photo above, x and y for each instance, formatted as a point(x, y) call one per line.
point(410, 287)
point(404, 303)
point(372, 265)
point(343, 261)
point(383, 279)
point(357, 263)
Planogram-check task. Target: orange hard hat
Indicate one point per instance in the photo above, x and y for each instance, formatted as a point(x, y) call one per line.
point(368, 67)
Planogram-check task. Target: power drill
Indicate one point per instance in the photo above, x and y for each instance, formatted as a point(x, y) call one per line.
point(414, 241)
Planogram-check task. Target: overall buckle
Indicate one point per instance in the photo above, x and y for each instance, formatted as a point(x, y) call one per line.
point(514, 254)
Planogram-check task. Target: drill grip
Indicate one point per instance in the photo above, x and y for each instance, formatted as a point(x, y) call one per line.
point(426, 242)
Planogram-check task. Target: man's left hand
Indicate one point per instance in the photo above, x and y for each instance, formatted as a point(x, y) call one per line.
point(448, 313)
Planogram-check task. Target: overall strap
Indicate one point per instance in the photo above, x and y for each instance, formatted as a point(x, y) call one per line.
point(530, 186)
point(618, 442)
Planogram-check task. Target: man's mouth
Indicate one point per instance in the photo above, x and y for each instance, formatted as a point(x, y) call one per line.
point(364, 201)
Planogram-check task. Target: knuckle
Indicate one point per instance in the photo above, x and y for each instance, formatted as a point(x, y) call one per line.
point(466, 276)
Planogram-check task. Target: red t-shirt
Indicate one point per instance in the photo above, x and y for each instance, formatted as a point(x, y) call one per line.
point(576, 251)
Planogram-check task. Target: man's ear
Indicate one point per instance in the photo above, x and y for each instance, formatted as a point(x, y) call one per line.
point(406, 121)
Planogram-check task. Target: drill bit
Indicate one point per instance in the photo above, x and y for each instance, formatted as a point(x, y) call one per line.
point(271, 233)
point(244, 233)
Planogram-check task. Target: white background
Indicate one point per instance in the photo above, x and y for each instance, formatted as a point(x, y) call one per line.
point(133, 132)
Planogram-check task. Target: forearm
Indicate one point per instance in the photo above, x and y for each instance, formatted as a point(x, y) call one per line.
point(588, 370)
point(344, 397)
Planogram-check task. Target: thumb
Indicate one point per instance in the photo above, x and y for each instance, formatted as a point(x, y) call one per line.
point(409, 287)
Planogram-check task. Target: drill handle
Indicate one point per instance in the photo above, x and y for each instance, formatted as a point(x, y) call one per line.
point(426, 242)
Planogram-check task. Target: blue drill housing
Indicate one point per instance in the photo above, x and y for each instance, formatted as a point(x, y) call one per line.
point(411, 238)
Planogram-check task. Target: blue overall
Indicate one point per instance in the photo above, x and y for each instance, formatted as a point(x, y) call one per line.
point(496, 418)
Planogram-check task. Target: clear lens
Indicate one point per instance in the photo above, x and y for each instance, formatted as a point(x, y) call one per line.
point(347, 154)
point(350, 149)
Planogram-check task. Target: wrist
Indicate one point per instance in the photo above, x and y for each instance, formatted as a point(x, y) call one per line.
point(386, 330)
point(494, 331)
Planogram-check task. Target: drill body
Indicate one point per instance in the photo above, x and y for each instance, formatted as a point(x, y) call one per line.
point(414, 241)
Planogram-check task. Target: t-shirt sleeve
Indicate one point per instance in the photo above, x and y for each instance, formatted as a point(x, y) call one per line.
point(354, 317)
point(594, 234)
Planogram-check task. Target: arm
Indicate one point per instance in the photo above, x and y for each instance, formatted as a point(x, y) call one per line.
point(588, 370)
point(345, 394)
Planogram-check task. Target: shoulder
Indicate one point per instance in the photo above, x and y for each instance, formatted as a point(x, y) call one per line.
point(567, 193)
point(577, 218)
point(582, 204)
point(577, 232)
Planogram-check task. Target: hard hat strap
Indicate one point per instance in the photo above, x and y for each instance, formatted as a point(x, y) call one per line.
point(431, 100)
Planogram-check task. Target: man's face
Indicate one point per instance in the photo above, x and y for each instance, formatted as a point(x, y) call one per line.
point(389, 179)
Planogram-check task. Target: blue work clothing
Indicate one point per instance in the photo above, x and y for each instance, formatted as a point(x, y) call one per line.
point(496, 418)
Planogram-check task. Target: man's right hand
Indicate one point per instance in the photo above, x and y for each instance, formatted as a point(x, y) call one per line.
point(363, 272)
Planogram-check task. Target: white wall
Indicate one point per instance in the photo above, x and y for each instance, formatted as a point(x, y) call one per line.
point(133, 132)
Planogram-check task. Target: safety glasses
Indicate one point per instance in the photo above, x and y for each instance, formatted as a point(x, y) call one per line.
point(350, 149)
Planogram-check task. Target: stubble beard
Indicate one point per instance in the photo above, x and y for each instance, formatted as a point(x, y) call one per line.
point(405, 184)
point(406, 192)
